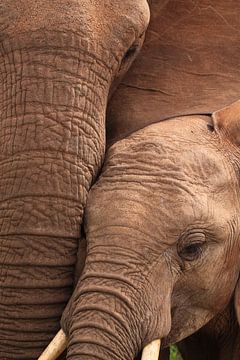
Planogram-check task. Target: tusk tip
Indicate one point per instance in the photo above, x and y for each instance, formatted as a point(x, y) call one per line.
point(55, 348)
point(152, 350)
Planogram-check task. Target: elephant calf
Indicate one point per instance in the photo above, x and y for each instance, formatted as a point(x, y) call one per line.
point(162, 224)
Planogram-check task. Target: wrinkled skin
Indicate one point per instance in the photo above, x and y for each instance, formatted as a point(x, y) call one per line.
point(188, 65)
point(162, 226)
point(60, 60)
point(42, 104)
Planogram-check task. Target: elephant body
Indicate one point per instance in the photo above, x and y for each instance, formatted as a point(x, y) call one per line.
point(188, 65)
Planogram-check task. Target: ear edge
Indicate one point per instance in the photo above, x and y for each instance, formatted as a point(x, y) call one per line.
point(227, 120)
point(237, 301)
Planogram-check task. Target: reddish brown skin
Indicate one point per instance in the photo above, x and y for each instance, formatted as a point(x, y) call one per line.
point(48, 212)
point(164, 186)
point(58, 61)
point(188, 65)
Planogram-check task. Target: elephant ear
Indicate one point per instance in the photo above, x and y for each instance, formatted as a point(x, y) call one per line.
point(227, 120)
point(237, 301)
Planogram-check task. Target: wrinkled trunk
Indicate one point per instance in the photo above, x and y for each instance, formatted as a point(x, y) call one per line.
point(123, 299)
point(114, 311)
point(52, 102)
point(105, 320)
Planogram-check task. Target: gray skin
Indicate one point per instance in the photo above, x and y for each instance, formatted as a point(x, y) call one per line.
point(162, 228)
point(59, 62)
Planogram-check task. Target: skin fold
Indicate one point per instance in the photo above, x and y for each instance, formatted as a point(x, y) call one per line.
point(162, 228)
point(59, 62)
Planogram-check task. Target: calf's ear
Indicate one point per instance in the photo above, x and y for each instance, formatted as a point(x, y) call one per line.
point(237, 301)
point(227, 120)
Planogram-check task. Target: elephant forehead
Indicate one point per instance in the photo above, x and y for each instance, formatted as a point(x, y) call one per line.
point(180, 180)
point(173, 152)
point(141, 210)
point(96, 20)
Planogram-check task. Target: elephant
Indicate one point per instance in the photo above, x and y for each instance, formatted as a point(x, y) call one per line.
point(65, 60)
point(163, 242)
point(60, 62)
point(187, 70)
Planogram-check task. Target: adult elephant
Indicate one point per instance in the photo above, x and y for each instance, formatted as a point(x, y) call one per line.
point(188, 65)
point(59, 62)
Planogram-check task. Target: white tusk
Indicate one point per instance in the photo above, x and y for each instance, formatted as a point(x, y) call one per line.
point(55, 348)
point(152, 350)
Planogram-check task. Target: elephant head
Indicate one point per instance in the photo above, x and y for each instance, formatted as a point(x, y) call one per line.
point(163, 232)
point(60, 60)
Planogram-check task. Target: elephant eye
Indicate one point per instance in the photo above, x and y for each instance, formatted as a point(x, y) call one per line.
point(192, 251)
point(130, 52)
point(134, 48)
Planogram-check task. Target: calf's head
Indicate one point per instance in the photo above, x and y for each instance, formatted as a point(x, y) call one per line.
point(162, 225)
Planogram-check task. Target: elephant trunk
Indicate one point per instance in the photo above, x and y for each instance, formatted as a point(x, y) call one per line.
point(100, 330)
point(59, 344)
point(53, 95)
point(110, 315)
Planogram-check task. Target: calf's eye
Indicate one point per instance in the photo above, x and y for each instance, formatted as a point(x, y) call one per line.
point(191, 252)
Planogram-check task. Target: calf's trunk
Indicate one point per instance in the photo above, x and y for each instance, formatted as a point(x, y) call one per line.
point(105, 321)
point(113, 313)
